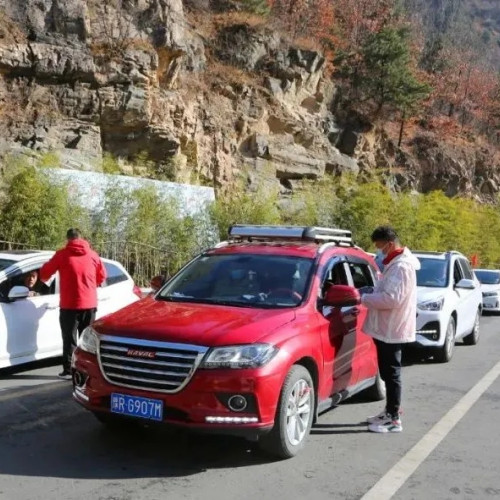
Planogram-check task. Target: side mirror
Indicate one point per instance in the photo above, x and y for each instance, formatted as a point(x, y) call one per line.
point(342, 296)
point(157, 282)
point(466, 284)
point(18, 292)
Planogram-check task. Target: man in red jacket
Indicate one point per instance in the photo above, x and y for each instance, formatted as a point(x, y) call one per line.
point(80, 273)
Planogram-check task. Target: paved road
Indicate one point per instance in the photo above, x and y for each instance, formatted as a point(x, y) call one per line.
point(50, 448)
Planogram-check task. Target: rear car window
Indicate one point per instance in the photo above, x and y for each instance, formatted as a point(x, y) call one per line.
point(115, 274)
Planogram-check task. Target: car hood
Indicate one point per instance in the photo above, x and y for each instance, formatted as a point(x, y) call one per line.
point(199, 324)
point(425, 293)
point(490, 288)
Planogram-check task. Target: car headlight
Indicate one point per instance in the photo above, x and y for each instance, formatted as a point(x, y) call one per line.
point(490, 294)
point(239, 356)
point(431, 305)
point(88, 340)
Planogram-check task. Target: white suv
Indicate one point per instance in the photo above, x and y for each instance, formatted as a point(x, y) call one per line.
point(449, 303)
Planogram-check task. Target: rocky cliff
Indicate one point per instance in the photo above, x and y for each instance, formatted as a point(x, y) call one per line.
point(205, 96)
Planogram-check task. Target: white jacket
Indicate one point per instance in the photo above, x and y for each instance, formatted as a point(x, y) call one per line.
point(392, 307)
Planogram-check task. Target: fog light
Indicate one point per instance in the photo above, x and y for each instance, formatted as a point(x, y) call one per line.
point(231, 420)
point(79, 378)
point(237, 402)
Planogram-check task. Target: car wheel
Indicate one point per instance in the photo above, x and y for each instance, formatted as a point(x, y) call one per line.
point(294, 415)
point(445, 353)
point(377, 391)
point(473, 337)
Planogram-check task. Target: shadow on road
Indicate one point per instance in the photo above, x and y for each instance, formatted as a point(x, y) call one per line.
point(14, 371)
point(49, 435)
point(350, 428)
point(30, 377)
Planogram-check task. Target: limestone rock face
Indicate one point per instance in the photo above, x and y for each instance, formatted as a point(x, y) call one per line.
point(144, 78)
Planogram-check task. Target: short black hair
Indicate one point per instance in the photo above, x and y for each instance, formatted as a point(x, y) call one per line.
point(72, 233)
point(384, 233)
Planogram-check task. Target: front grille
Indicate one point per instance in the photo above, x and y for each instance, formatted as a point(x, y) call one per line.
point(148, 365)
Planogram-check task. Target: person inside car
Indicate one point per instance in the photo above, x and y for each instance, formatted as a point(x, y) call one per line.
point(30, 281)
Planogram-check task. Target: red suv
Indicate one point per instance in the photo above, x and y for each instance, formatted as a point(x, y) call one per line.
point(255, 337)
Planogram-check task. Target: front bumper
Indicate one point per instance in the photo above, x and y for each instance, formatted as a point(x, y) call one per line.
point(491, 303)
point(202, 404)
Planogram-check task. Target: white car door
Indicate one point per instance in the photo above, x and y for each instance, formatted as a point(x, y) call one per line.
point(117, 291)
point(464, 305)
point(29, 329)
point(473, 298)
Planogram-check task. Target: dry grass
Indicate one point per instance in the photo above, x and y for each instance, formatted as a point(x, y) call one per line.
point(116, 51)
point(232, 18)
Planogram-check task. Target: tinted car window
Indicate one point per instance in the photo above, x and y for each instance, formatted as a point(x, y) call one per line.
point(457, 272)
point(488, 277)
point(114, 274)
point(466, 270)
point(18, 279)
point(5, 263)
point(432, 272)
point(241, 280)
point(335, 275)
point(361, 275)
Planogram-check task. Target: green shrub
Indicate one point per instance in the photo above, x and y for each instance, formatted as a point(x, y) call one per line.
point(36, 212)
point(238, 207)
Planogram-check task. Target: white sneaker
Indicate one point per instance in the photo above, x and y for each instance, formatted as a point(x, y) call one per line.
point(388, 425)
point(375, 419)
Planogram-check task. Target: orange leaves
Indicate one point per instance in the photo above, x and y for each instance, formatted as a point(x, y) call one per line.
point(303, 18)
point(359, 18)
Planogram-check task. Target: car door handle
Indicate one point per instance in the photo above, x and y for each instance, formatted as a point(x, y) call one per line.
point(48, 306)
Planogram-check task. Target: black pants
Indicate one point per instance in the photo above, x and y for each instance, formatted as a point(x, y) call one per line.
point(389, 365)
point(73, 322)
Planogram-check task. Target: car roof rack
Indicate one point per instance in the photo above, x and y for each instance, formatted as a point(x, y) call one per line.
point(315, 234)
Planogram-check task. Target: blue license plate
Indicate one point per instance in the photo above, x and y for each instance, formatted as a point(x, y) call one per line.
point(135, 406)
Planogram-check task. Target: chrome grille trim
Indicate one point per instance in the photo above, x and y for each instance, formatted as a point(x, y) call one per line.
point(173, 355)
point(139, 360)
point(149, 374)
point(159, 382)
point(145, 370)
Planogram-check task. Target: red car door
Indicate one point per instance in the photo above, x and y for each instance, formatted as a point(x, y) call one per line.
point(338, 330)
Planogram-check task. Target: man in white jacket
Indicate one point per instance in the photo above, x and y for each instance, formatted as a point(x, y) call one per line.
point(391, 321)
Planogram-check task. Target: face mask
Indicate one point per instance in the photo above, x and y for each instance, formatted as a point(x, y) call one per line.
point(383, 251)
point(379, 259)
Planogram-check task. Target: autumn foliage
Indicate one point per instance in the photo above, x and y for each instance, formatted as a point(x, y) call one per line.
point(304, 17)
point(453, 82)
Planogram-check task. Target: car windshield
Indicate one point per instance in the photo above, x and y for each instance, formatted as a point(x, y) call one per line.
point(5, 263)
point(244, 280)
point(488, 277)
point(432, 273)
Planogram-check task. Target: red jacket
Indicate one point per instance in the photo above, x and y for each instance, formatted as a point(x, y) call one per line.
point(80, 273)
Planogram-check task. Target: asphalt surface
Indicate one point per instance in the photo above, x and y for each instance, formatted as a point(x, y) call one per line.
point(50, 448)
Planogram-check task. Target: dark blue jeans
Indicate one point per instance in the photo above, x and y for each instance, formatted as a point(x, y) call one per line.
point(389, 366)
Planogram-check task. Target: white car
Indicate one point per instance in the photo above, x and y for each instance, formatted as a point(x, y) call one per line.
point(490, 287)
point(449, 303)
point(29, 325)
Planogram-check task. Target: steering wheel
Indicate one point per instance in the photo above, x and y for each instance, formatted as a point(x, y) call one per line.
point(284, 293)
